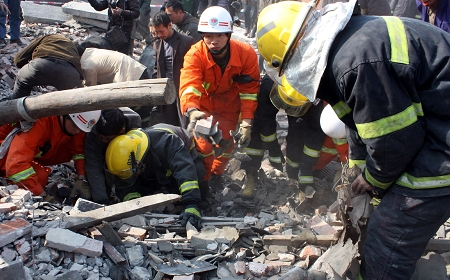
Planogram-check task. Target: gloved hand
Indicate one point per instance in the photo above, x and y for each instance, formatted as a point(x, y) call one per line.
point(81, 189)
point(245, 130)
point(223, 146)
point(242, 136)
point(194, 116)
point(191, 214)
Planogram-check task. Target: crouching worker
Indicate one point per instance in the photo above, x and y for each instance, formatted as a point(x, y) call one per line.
point(112, 123)
point(161, 158)
point(51, 140)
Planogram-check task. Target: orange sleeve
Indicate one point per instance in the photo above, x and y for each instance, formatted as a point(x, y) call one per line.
point(23, 149)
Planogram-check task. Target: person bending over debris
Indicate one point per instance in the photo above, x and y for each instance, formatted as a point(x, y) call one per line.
point(112, 123)
point(102, 66)
point(51, 140)
point(49, 60)
point(159, 158)
point(388, 80)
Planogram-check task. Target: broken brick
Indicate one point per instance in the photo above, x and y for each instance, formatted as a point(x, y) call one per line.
point(240, 267)
point(126, 230)
point(259, 269)
point(7, 207)
point(12, 230)
point(310, 251)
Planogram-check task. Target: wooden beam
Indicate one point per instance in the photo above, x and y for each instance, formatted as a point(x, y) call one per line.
point(119, 211)
point(126, 94)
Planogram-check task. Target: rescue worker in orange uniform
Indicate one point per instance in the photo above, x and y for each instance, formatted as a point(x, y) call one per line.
point(51, 140)
point(219, 78)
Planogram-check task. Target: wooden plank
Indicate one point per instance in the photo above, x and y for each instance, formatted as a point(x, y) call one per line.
point(115, 255)
point(119, 211)
point(298, 240)
point(109, 234)
point(126, 94)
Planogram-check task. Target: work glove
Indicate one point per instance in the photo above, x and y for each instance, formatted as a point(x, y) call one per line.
point(224, 145)
point(191, 214)
point(81, 189)
point(242, 137)
point(194, 116)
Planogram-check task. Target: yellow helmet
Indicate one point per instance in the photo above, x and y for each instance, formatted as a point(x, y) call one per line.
point(284, 96)
point(125, 152)
point(276, 35)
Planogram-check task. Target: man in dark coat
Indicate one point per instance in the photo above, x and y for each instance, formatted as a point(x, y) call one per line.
point(169, 52)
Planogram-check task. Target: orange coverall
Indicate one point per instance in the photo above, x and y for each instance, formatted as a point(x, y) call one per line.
point(203, 86)
point(331, 147)
point(43, 145)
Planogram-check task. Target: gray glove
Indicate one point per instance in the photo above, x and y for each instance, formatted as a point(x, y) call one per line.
point(242, 136)
point(194, 116)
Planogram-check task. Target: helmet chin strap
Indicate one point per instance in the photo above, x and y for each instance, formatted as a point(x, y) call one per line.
point(63, 125)
point(219, 52)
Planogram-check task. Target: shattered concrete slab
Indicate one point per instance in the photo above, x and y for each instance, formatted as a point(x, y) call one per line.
point(43, 13)
point(119, 211)
point(66, 240)
point(83, 12)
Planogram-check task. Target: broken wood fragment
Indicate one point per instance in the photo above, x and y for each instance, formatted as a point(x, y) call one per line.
point(113, 254)
point(298, 240)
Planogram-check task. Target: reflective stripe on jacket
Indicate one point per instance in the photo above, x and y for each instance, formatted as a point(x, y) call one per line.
point(394, 91)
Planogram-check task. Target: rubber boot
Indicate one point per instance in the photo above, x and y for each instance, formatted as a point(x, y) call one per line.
point(248, 192)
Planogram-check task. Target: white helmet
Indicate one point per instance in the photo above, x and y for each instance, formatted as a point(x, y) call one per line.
point(86, 120)
point(331, 124)
point(215, 19)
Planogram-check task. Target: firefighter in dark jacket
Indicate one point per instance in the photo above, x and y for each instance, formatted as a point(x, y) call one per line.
point(388, 80)
point(112, 123)
point(304, 140)
point(121, 14)
point(161, 157)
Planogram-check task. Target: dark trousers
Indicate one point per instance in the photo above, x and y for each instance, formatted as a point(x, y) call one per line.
point(46, 72)
point(398, 232)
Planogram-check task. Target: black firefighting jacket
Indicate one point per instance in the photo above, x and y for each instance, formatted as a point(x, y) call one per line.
point(170, 156)
point(388, 78)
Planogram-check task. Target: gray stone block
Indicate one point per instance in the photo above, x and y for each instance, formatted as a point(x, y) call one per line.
point(12, 271)
point(43, 13)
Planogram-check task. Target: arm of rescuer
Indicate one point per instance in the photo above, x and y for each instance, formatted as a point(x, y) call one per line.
point(24, 147)
point(174, 155)
point(94, 164)
point(390, 149)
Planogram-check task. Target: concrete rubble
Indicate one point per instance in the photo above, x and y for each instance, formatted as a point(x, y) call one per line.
point(282, 233)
